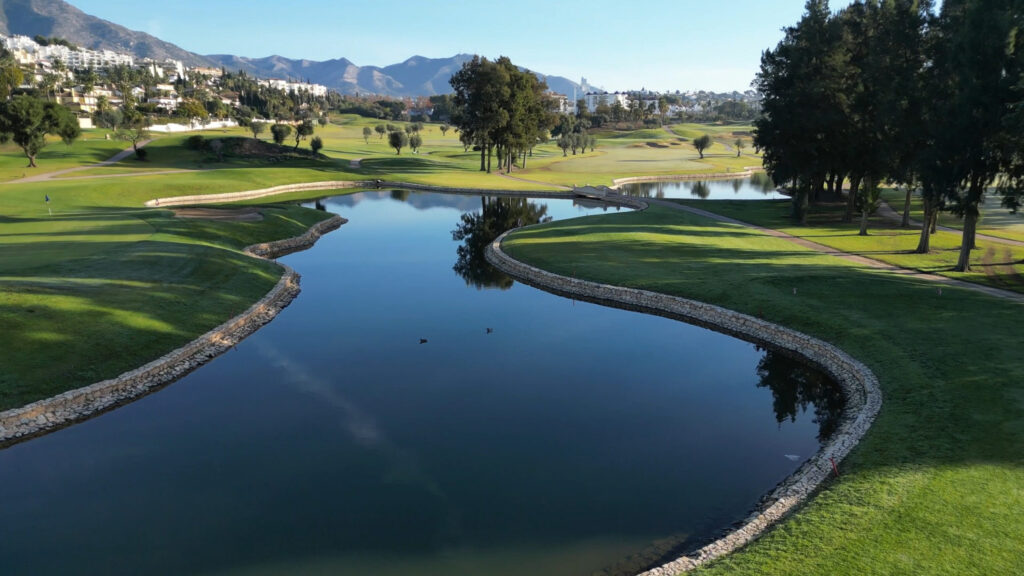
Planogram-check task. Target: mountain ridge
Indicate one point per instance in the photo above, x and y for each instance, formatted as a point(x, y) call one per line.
point(415, 76)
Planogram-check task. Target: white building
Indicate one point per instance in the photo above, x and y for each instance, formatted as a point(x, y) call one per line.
point(286, 86)
point(27, 51)
point(595, 99)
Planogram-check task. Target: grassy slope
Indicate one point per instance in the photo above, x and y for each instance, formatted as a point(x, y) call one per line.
point(937, 485)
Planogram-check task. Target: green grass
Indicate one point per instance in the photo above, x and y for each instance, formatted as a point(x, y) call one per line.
point(992, 264)
point(995, 220)
point(937, 484)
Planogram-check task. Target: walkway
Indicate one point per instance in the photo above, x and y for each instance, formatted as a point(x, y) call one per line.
point(860, 260)
point(112, 160)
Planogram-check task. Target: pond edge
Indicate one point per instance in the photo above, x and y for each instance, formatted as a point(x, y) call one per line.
point(858, 383)
point(66, 408)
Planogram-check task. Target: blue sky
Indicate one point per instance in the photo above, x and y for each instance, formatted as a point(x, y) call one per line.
point(657, 44)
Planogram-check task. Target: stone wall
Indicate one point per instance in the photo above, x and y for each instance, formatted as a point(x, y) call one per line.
point(63, 409)
point(858, 383)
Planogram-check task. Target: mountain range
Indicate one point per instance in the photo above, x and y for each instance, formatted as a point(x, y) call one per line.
point(417, 76)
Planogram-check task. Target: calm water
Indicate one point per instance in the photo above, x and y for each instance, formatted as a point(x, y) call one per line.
point(530, 434)
point(756, 187)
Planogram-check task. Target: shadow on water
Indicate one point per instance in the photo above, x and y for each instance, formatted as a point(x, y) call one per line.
point(478, 229)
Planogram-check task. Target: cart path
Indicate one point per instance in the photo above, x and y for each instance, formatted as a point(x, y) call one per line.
point(112, 160)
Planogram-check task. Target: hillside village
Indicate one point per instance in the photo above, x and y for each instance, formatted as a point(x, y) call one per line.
point(91, 82)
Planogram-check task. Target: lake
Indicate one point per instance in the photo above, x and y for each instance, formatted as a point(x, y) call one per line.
point(756, 187)
point(416, 412)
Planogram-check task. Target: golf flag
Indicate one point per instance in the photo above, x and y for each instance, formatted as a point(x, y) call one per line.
point(47, 198)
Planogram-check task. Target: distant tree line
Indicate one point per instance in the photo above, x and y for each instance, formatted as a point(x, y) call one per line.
point(893, 91)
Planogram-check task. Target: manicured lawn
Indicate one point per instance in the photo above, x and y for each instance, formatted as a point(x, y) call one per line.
point(995, 220)
point(992, 264)
point(937, 484)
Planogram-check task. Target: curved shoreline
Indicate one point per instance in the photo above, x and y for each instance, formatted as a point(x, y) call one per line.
point(858, 384)
point(48, 414)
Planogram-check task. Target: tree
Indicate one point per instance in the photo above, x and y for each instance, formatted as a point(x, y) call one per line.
point(564, 142)
point(191, 110)
point(398, 140)
point(26, 121)
point(303, 130)
point(257, 128)
point(975, 36)
point(380, 129)
point(444, 129)
point(280, 132)
point(316, 144)
point(135, 129)
point(481, 88)
point(10, 74)
point(702, 143)
point(740, 144)
point(367, 132)
point(415, 141)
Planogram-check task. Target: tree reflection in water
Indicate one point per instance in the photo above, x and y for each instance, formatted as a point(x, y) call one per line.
point(796, 386)
point(700, 189)
point(477, 230)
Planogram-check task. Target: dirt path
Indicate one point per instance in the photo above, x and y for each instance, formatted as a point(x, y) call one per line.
point(112, 160)
point(861, 260)
point(887, 212)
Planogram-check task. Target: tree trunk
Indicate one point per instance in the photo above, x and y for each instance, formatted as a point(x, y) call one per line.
point(930, 213)
point(31, 160)
point(800, 197)
point(967, 242)
point(851, 198)
point(923, 242)
point(830, 185)
point(490, 149)
point(906, 210)
point(483, 156)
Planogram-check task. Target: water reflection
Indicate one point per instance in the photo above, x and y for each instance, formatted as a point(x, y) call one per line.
point(756, 187)
point(478, 229)
point(700, 190)
point(796, 386)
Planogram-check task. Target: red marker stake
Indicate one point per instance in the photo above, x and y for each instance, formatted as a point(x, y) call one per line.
point(834, 467)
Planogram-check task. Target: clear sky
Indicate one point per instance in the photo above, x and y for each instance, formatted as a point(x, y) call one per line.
point(657, 44)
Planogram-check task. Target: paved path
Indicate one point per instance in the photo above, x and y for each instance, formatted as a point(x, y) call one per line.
point(355, 163)
point(886, 211)
point(861, 260)
point(112, 160)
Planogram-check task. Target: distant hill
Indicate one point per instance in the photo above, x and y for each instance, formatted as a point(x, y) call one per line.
point(62, 20)
point(417, 76)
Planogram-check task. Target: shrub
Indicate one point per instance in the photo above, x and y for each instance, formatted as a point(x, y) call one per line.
point(195, 142)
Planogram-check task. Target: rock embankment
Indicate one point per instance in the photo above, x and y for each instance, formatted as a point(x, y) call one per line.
point(858, 383)
point(69, 407)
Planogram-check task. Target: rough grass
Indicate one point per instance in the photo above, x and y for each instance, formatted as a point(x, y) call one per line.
point(936, 486)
